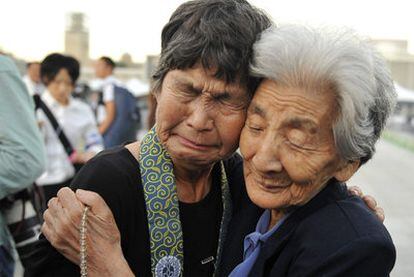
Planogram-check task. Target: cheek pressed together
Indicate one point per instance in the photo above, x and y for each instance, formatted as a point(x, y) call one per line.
point(288, 145)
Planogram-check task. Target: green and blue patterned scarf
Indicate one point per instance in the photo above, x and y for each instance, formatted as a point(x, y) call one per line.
point(160, 192)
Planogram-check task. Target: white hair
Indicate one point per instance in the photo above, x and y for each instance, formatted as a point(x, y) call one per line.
point(343, 63)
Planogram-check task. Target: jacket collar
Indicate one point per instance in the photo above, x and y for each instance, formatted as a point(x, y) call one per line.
point(333, 191)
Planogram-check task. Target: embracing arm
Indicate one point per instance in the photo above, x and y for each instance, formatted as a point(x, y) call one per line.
point(62, 221)
point(105, 257)
point(365, 256)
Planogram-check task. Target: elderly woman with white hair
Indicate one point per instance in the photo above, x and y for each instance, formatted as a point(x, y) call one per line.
point(313, 121)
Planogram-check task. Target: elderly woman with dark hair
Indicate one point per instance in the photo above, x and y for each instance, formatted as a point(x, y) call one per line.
point(311, 124)
point(173, 195)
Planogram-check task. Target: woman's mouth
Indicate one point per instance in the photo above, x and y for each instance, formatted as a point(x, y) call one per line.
point(193, 145)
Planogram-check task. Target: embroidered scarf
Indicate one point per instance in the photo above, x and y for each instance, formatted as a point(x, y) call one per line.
point(163, 214)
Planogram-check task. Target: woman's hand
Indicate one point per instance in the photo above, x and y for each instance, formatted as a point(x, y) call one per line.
point(62, 225)
point(369, 201)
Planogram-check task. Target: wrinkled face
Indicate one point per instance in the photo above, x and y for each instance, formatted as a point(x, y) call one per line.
point(199, 117)
point(33, 71)
point(61, 87)
point(288, 145)
point(102, 70)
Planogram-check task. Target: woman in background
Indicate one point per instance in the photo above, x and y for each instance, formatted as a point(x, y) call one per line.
point(75, 118)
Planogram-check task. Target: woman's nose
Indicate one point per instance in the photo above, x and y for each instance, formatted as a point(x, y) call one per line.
point(267, 158)
point(200, 118)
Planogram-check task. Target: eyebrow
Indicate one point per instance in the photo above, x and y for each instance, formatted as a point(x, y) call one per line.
point(187, 85)
point(256, 109)
point(299, 122)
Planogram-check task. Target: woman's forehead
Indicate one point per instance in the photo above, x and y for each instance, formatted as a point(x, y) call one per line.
point(203, 79)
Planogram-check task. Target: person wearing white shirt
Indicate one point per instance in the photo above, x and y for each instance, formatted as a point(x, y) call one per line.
point(104, 68)
point(75, 118)
point(32, 78)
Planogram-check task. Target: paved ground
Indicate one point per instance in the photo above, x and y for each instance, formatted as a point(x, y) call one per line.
point(389, 177)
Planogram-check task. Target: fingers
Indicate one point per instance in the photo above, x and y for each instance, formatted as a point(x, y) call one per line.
point(61, 222)
point(68, 252)
point(370, 202)
point(52, 212)
point(355, 191)
point(48, 232)
point(95, 202)
point(380, 213)
point(70, 204)
point(68, 199)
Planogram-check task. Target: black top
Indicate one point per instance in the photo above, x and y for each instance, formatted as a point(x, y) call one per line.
point(334, 234)
point(114, 174)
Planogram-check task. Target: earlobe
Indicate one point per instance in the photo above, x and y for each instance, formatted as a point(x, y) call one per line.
point(346, 171)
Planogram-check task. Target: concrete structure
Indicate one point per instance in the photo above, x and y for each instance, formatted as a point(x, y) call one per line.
point(401, 62)
point(150, 65)
point(77, 38)
point(122, 73)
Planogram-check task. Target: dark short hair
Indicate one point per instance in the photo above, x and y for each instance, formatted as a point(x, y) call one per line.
point(53, 63)
point(108, 61)
point(217, 33)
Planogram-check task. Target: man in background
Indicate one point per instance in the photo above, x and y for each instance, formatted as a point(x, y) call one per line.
point(122, 116)
point(104, 70)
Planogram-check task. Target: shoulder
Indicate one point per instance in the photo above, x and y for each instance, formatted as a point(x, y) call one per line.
point(7, 65)
point(349, 218)
point(114, 171)
point(343, 232)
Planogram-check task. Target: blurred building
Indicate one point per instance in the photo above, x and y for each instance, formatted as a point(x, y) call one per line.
point(150, 66)
point(400, 61)
point(126, 60)
point(77, 37)
point(122, 73)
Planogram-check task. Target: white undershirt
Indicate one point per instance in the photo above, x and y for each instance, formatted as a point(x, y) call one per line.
point(78, 123)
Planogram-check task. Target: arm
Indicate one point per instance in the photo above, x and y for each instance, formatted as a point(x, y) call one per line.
point(92, 138)
point(62, 221)
point(105, 257)
point(109, 100)
point(22, 157)
point(365, 256)
point(109, 118)
point(369, 201)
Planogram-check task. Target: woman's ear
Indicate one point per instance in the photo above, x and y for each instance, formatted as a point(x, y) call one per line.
point(346, 170)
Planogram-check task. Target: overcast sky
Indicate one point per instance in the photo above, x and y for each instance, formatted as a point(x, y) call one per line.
point(33, 28)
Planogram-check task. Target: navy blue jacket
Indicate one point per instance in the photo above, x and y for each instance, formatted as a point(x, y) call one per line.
point(334, 234)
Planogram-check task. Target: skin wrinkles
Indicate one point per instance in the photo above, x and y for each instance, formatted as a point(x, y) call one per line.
point(293, 101)
point(288, 146)
point(199, 116)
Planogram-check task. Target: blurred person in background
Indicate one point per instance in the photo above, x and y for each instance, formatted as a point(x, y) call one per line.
point(32, 78)
point(122, 115)
point(75, 121)
point(22, 157)
point(104, 70)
